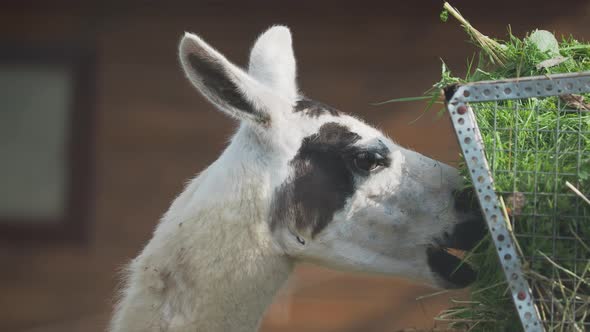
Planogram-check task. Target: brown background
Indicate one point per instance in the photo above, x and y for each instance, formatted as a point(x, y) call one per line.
point(153, 132)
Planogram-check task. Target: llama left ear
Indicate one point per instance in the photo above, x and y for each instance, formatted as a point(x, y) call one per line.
point(272, 62)
point(227, 86)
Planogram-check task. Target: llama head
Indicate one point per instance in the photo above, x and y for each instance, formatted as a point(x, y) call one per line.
point(342, 194)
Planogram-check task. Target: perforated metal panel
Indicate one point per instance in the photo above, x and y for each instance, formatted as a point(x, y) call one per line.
point(540, 217)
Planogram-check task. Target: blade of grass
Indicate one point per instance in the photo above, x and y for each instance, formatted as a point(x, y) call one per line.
point(401, 100)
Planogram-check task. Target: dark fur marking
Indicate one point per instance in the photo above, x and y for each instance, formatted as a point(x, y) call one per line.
point(450, 268)
point(216, 80)
point(322, 182)
point(466, 201)
point(467, 235)
point(314, 108)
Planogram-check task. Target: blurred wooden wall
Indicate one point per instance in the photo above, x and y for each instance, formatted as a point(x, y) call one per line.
point(154, 132)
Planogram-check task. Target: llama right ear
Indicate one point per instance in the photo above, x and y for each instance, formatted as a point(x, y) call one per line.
point(227, 86)
point(272, 62)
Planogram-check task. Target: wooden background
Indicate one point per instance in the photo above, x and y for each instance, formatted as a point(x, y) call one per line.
point(153, 132)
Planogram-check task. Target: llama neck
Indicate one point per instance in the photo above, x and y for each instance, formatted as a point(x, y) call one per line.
point(231, 285)
point(212, 264)
point(200, 285)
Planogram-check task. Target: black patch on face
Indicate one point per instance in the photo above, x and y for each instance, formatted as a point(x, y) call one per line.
point(450, 268)
point(466, 200)
point(466, 235)
point(216, 80)
point(314, 108)
point(322, 180)
point(469, 233)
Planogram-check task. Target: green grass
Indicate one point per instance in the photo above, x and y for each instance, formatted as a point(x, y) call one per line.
point(535, 147)
point(536, 156)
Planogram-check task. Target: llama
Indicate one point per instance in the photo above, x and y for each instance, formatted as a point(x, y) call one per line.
point(300, 181)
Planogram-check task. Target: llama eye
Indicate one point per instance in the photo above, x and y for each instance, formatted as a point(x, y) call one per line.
point(300, 240)
point(367, 162)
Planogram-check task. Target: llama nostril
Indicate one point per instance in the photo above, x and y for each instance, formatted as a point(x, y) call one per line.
point(466, 200)
point(467, 234)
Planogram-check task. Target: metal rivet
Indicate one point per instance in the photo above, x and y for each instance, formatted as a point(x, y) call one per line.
point(462, 109)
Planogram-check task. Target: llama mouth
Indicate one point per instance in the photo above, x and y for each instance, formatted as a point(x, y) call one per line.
point(455, 272)
point(443, 255)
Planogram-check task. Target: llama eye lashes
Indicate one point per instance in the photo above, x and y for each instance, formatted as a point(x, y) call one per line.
point(300, 240)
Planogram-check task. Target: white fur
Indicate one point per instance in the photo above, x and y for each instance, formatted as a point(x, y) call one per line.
point(261, 96)
point(213, 263)
point(272, 62)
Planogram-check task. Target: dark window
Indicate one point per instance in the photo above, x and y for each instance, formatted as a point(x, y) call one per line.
point(46, 114)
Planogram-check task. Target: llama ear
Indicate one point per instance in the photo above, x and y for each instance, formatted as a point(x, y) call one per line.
point(272, 62)
point(227, 86)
